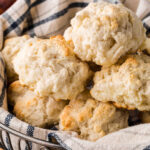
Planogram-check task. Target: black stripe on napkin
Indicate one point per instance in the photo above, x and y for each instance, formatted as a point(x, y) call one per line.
point(4, 68)
point(15, 24)
point(53, 135)
point(56, 15)
point(29, 18)
point(4, 81)
point(147, 15)
point(8, 119)
point(11, 20)
point(2, 96)
point(8, 145)
point(147, 147)
point(147, 29)
point(30, 132)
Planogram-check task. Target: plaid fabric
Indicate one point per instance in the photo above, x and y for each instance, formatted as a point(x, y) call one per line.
point(33, 18)
point(43, 18)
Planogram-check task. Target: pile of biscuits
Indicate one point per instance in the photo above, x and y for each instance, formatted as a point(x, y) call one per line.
point(49, 80)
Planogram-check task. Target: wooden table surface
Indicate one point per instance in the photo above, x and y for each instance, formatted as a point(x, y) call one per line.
point(5, 4)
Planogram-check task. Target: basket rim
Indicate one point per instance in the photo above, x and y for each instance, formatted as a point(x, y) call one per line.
point(23, 122)
point(25, 137)
point(10, 129)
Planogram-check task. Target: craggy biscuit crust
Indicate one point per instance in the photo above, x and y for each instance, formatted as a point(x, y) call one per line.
point(40, 112)
point(92, 119)
point(103, 32)
point(127, 85)
point(11, 47)
point(49, 67)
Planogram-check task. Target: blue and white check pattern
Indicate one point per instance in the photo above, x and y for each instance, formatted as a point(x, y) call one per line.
point(43, 18)
point(39, 17)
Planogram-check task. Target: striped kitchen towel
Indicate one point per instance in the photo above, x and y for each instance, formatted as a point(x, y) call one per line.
point(44, 18)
